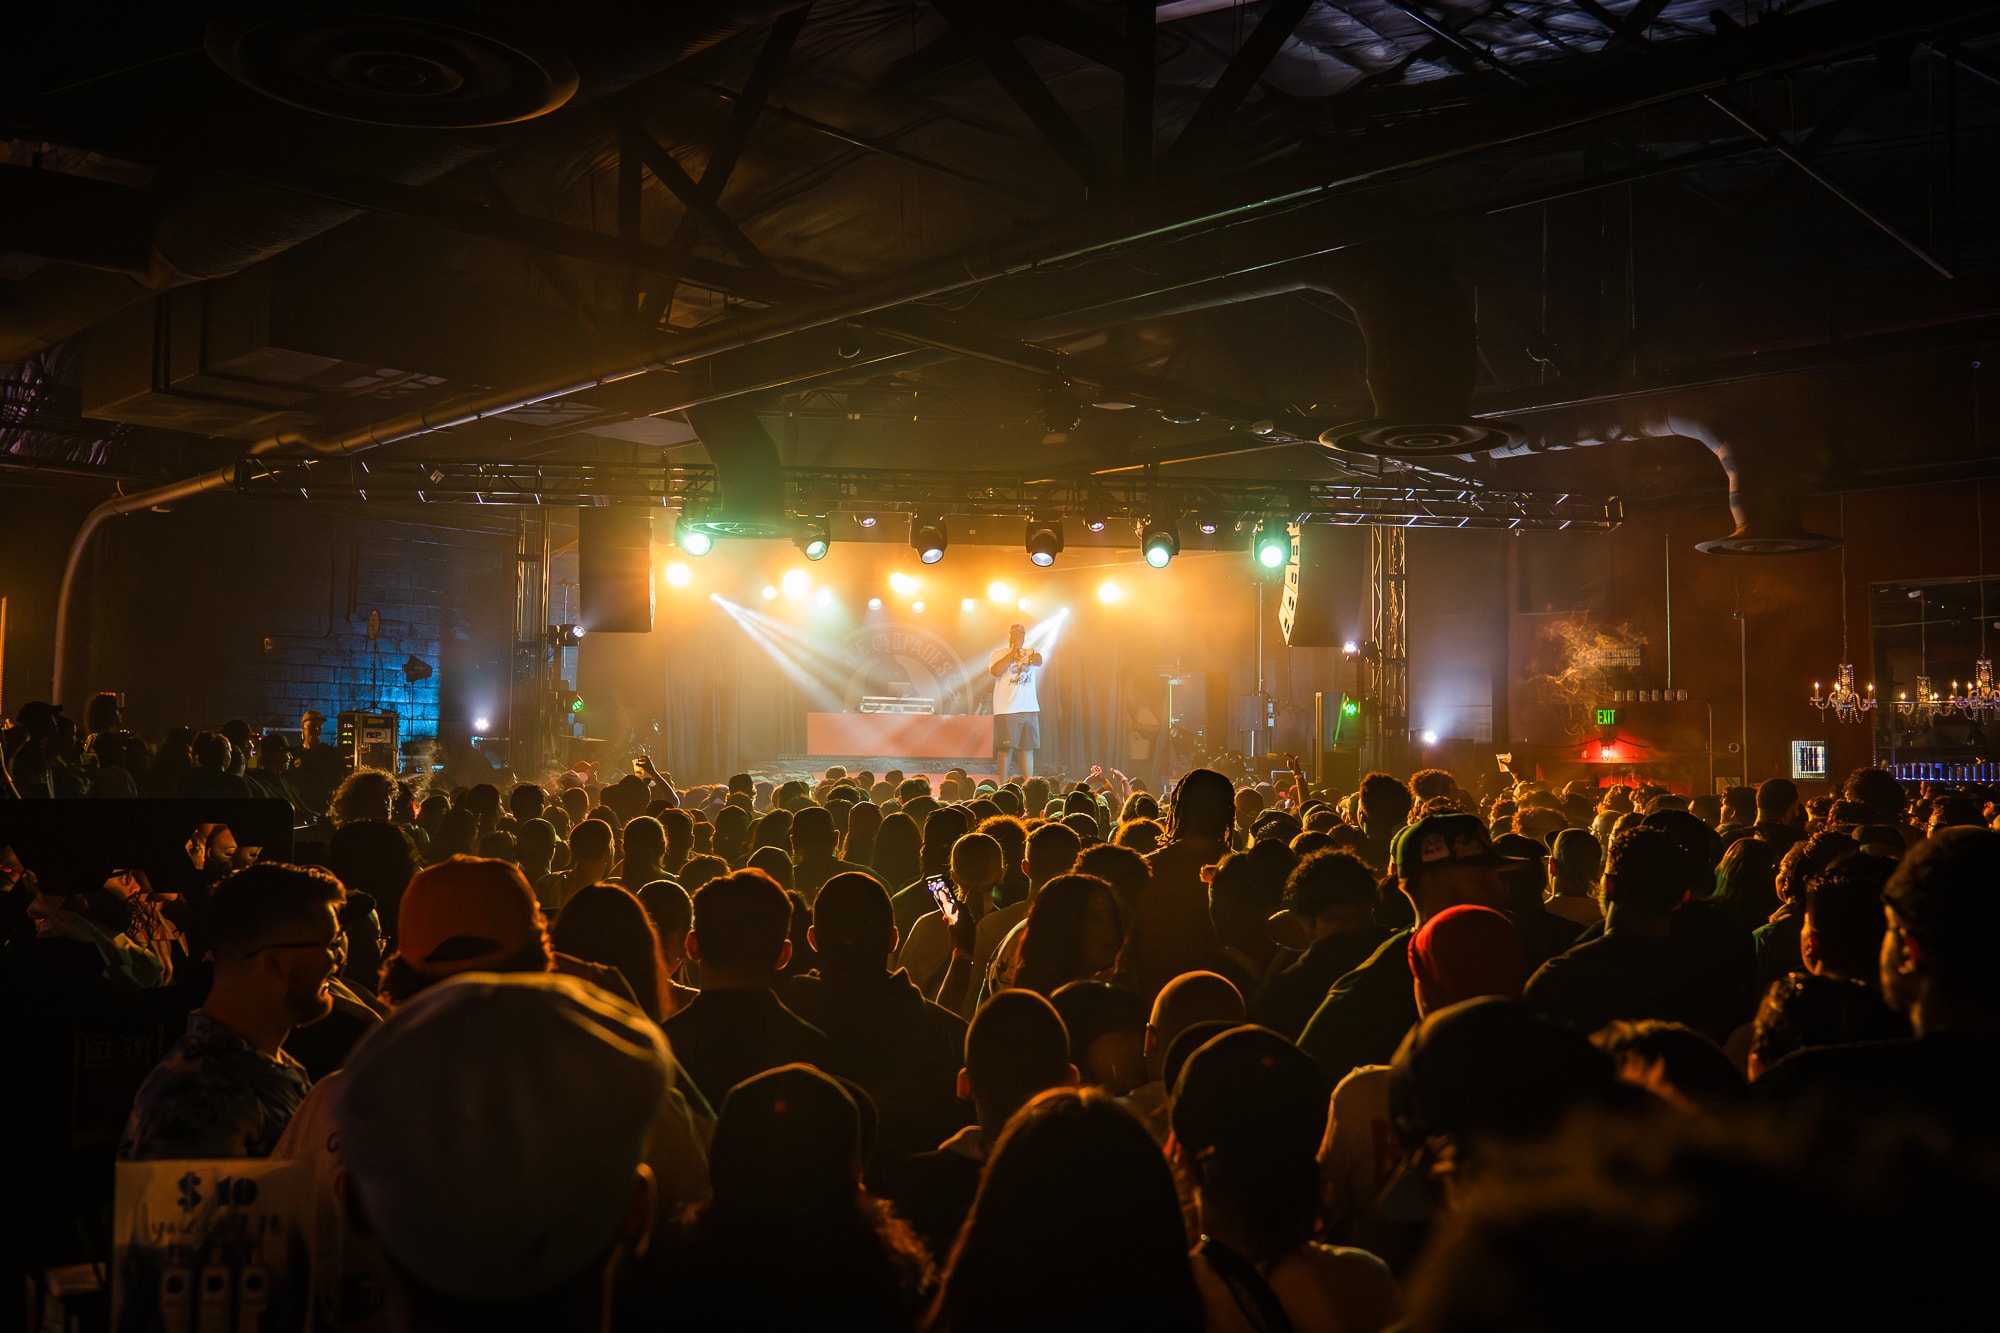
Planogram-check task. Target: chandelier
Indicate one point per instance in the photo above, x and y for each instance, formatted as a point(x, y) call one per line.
point(1979, 701)
point(1846, 703)
point(1926, 705)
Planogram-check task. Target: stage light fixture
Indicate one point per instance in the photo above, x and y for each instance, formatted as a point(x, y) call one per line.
point(796, 583)
point(812, 540)
point(691, 538)
point(874, 603)
point(1094, 522)
point(1350, 649)
point(1045, 542)
point(1429, 738)
point(968, 605)
point(770, 593)
point(928, 539)
point(480, 724)
point(1022, 606)
point(1271, 544)
point(999, 592)
point(1108, 593)
point(576, 703)
point(1160, 542)
point(823, 598)
point(868, 520)
point(561, 636)
point(679, 574)
point(1210, 526)
point(902, 584)
point(917, 607)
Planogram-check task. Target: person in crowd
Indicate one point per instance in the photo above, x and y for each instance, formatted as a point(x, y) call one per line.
point(937, 954)
point(367, 944)
point(1107, 1034)
point(1746, 881)
point(732, 835)
point(1245, 890)
point(1174, 933)
point(1781, 815)
point(901, 1048)
point(679, 826)
point(605, 924)
point(1015, 1047)
point(671, 909)
point(941, 830)
point(211, 775)
point(1686, 1069)
point(1194, 997)
point(227, 1088)
point(1777, 940)
point(377, 859)
point(366, 793)
point(1575, 864)
point(1052, 849)
point(737, 1026)
point(1440, 861)
point(590, 857)
point(1839, 997)
point(1638, 968)
point(775, 862)
point(813, 841)
point(1329, 915)
point(535, 846)
point(1076, 1226)
point(1074, 932)
point(645, 853)
point(524, 1216)
point(786, 1170)
point(457, 835)
point(864, 826)
point(1248, 1116)
point(1012, 835)
point(1385, 808)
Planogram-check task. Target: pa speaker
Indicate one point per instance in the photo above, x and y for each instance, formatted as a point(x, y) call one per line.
point(614, 556)
point(1321, 606)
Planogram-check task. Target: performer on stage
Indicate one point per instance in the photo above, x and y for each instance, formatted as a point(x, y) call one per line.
point(1017, 718)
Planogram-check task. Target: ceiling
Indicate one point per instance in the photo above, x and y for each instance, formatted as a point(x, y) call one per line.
point(1053, 237)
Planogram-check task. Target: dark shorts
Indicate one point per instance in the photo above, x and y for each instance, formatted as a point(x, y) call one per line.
point(1017, 731)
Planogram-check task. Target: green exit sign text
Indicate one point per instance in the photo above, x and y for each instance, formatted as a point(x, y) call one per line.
point(1607, 717)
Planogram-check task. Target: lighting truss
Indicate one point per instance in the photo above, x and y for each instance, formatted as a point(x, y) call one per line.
point(818, 491)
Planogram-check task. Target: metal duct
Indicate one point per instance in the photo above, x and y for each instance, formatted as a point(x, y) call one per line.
point(749, 478)
point(342, 109)
point(1422, 354)
point(1767, 491)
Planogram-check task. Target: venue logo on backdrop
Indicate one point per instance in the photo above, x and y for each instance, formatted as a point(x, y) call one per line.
point(906, 662)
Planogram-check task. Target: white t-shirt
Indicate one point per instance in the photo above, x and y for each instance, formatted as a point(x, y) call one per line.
point(1014, 688)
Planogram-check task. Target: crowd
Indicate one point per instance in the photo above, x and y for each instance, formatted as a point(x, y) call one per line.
point(881, 1053)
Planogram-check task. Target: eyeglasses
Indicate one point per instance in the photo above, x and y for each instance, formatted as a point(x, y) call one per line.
point(333, 948)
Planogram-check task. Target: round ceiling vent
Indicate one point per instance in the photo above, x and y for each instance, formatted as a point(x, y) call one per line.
point(1420, 439)
point(387, 69)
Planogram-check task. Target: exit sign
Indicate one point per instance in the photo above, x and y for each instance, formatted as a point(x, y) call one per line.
point(1607, 717)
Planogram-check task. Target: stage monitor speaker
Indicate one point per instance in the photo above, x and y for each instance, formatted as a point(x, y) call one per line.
point(1339, 770)
point(1328, 568)
point(614, 557)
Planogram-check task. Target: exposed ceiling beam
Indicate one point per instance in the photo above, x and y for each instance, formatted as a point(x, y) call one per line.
point(974, 20)
point(633, 138)
point(1139, 58)
point(1204, 132)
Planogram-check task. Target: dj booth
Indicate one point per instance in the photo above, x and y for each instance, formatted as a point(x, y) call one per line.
point(899, 735)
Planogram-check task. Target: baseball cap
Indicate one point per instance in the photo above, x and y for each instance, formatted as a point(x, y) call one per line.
point(493, 1129)
point(1455, 837)
point(480, 906)
point(790, 1132)
point(1248, 1089)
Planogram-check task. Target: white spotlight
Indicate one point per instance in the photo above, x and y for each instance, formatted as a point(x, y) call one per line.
point(823, 598)
point(770, 593)
point(1429, 738)
point(902, 584)
point(917, 607)
point(967, 605)
point(874, 603)
point(1022, 604)
point(1108, 593)
point(796, 583)
point(999, 592)
point(480, 724)
point(679, 574)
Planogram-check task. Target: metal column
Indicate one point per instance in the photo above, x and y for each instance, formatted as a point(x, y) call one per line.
point(1389, 650)
point(530, 685)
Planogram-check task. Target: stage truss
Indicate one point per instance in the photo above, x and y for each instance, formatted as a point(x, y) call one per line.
point(1118, 499)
